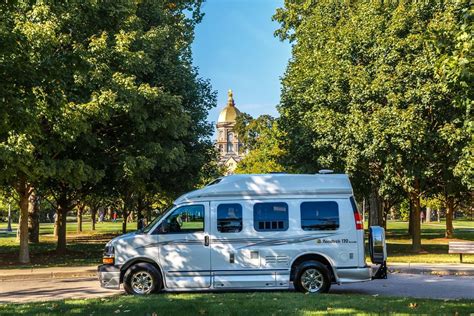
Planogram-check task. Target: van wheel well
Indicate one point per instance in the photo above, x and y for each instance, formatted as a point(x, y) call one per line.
point(125, 267)
point(314, 257)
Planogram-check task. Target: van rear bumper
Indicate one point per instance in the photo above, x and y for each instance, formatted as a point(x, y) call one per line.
point(351, 275)
point(109, 276)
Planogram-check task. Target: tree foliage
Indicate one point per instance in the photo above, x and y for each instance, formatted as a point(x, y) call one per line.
point(364, 93)
point(101, 96)
point(260, 137)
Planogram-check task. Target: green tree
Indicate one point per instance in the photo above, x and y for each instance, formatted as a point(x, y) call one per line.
point(260, 137)
point(362, 95)
point(100, 94)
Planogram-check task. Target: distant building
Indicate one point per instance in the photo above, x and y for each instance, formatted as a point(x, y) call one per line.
point(228, 142)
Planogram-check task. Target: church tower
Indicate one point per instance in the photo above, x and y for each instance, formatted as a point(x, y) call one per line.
point(228, 143)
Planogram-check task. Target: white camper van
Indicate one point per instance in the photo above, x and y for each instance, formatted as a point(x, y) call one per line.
point(271, 231)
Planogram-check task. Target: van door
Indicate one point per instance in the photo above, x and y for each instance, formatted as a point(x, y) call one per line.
point(235, 260)
point(184, 252)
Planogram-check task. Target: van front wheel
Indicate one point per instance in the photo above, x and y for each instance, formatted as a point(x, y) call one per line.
point(312, 277)
point(142, 279)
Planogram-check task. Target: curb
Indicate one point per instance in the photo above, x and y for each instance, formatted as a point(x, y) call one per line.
point(431, 270)
point(49, 275)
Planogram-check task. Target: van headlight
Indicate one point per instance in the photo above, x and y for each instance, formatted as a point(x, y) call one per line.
point(109, 255)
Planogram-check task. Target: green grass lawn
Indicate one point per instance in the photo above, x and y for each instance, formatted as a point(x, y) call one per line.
point(434, 245)
point(247, 303)
point(83, 248)
point(250, 303)
point(86, 248)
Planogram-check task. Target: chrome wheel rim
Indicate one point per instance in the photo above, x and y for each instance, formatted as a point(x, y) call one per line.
point(142, 282)
point(312, 280)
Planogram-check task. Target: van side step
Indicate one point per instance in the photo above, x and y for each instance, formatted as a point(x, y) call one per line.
point(381, 272)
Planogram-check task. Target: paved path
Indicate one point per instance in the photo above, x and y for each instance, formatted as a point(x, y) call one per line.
point(466, 269)
point(49, 273)
point(414, 285)
point(51, 289)
point(446, 287)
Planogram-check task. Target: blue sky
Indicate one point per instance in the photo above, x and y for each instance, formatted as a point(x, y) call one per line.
point(235, 48)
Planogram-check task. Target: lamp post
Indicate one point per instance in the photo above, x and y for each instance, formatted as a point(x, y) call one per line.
point(9, 227)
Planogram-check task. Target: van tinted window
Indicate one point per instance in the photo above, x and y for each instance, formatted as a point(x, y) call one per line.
point(319, 215)
point(270, 216)
point(229, 218)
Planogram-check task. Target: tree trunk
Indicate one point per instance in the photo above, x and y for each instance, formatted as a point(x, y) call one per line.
point(449, 217)
point(124, 222)
point(65, 205)
point(385, 211)
point(410, 217)
point(140, 219)
point(363, 210)
point(56, 222)
point(392, 213)
point(61, 224)
point(33, 218)
point(24, 192)
point(375, 209)
point(93, 216)
point(148, 214)
point(438, 215)
point(9, 225)
point(111, 212)
point(428, 215)
point(18, 229)
point(80, 210)
point(416, 237)
point(125, 215)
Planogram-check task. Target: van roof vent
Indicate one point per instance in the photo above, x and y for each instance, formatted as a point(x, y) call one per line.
point(325, 171)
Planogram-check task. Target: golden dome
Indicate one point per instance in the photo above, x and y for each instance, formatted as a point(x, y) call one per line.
point(230, 112)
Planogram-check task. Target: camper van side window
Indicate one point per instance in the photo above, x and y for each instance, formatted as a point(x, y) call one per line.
point(186, 219)
point(319, 215)
point(270, 216)
point(229, 218)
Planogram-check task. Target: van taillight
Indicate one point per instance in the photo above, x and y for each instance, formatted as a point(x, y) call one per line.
point(357, 217)
point(358, 221)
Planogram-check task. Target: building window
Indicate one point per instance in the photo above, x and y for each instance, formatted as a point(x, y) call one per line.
point(230, 147)
point(270, 216)
point(229, 218)
point(319, 215)
point(230, 137)
point(221, 148)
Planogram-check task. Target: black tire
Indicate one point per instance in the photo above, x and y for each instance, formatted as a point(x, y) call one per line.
point(321, 277)
point(146, 272)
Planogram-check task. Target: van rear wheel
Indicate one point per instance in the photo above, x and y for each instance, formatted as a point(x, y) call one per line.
point(312, 277)
point(142, 279)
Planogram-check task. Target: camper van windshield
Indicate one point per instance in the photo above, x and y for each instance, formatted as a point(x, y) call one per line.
point(156, 219)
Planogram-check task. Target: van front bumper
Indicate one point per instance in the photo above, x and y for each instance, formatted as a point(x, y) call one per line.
point(109, 276)
point(351, 275)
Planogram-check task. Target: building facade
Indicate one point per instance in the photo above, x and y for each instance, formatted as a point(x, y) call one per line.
point(227, 142)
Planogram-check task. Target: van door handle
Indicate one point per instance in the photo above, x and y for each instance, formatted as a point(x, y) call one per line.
point(206, 240)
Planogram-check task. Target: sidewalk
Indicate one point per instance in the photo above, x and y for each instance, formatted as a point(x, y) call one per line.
point(48, 273)
point(462, 269)
point(432, 268)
